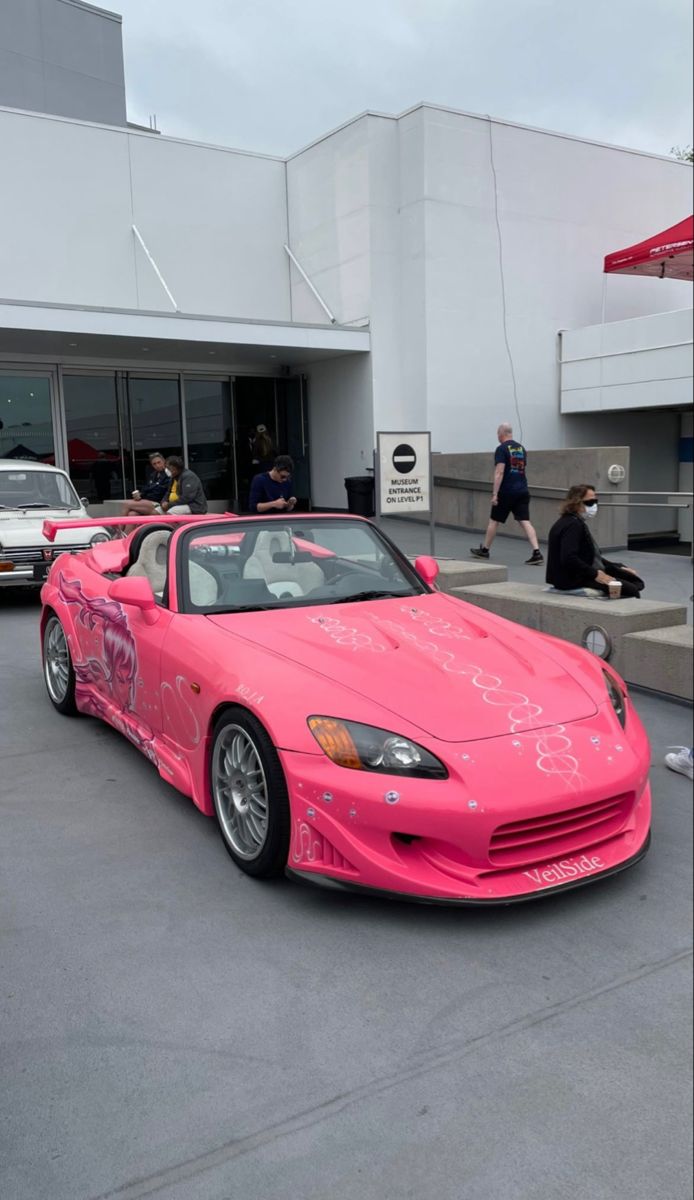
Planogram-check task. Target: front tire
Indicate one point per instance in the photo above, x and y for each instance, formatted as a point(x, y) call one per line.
point(249, 793)
point(58, 672)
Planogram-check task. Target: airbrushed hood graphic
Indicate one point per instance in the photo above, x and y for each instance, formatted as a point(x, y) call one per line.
point(423, 661)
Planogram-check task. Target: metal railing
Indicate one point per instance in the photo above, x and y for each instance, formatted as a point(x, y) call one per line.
point(549, 493)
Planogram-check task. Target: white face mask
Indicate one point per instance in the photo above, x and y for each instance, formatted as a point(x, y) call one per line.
point(591, 510)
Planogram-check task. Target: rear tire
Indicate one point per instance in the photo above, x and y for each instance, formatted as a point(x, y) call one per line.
point(58, 672)
point(249, 793)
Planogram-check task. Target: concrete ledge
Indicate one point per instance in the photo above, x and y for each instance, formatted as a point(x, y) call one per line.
point(454, 575)
point(661, 659)
point(112, 508)
point(569, 617)
point(516, 601)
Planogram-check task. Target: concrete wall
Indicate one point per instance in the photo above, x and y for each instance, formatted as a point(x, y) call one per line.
point(214, 221)
point(468, 507)
point(60, 56)
point(340, 425)
point(328, 216)
point(653, 439)
point(645, 362)
point(561, 205)
point(420, 196)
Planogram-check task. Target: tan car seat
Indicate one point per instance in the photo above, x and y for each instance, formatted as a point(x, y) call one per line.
point(152, 559)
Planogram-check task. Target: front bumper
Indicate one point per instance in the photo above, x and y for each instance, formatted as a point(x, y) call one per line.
point(31, 568)
point(520, 817)
point(23, 573)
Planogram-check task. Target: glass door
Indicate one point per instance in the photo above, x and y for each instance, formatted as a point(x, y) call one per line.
point(255, 423)
point(209, 436)
point(154, 423)
point(94, 443)
point(292, 424)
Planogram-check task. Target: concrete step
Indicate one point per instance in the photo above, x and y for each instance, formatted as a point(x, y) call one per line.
point(661, 659)
point(593, 622)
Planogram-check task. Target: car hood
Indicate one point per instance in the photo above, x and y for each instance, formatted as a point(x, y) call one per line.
point(26, 529)
point(437, 665)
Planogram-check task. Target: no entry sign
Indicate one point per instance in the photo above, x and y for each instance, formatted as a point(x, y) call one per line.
point(404, 473)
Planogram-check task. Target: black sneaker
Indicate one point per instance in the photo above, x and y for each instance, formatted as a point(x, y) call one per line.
point(535, 559)
point(480, 552)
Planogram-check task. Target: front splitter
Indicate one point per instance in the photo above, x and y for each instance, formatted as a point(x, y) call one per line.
point(341, 885)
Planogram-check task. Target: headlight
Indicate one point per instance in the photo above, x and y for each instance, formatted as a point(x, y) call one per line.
point(363, 748)
point(99, 537)
point(617, 697)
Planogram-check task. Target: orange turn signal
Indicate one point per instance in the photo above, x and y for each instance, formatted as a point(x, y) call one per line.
point(334, 739)
point(6, 566)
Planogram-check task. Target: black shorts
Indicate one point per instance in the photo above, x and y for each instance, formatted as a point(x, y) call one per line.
point(517, 503)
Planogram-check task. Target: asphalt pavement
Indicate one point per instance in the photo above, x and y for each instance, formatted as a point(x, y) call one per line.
point(171, 1028)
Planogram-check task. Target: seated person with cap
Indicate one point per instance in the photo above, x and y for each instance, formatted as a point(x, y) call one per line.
point(271, 491)
point(574, 559)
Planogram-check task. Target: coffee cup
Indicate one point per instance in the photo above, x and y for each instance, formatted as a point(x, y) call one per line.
point(136, 495)
point(615, 589)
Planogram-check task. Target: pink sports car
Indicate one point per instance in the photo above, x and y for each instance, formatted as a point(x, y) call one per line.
point(343, 720)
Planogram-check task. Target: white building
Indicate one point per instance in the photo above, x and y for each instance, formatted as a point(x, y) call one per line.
point(148, 298)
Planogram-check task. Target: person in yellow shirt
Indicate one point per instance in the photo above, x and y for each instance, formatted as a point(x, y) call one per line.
point(186, 493)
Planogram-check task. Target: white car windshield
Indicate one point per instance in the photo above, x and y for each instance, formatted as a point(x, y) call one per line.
point(244, 566)
point(23, 490)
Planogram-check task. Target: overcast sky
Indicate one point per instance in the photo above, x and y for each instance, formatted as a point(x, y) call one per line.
point(271, 75)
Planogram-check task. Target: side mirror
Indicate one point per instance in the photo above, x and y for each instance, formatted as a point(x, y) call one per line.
point(136, 591)
point(427, 568)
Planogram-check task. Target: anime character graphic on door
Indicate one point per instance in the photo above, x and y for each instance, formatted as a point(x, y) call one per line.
point(106, 669)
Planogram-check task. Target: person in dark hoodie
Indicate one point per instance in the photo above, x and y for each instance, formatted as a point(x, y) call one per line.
point(148, 499)
point(574, 559)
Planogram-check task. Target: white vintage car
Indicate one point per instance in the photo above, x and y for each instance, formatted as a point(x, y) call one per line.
point(31, 493)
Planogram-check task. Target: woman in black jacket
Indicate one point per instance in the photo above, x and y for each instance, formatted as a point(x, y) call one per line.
point(574, 559)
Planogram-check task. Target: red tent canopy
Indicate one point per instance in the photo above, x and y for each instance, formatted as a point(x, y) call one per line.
point(669, 254)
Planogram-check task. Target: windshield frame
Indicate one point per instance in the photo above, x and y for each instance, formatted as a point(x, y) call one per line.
point(62, 480)
point(289, 521)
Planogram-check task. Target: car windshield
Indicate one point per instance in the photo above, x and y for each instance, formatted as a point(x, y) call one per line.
point(36, 489)
point(250, 565)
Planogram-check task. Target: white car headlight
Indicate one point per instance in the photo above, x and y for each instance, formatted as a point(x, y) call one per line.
point(365, 748)
point(99, 537)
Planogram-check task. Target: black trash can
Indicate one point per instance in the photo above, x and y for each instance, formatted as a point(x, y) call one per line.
point(360, 495)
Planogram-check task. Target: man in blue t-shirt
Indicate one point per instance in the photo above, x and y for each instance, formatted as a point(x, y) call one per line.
point(510, 494)
point(271, 491)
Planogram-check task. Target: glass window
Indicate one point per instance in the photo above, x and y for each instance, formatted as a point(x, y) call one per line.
point(93, 436)
point(155, 419)
point(290, 563)
point(208, 429)
point(26, 428)
point(36, 489)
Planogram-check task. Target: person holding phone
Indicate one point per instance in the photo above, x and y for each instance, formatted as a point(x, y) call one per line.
point(271, 491)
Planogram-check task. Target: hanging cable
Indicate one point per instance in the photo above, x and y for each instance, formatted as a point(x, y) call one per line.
point(500, 245)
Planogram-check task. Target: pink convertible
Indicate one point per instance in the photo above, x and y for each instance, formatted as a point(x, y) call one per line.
point(343, 720)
